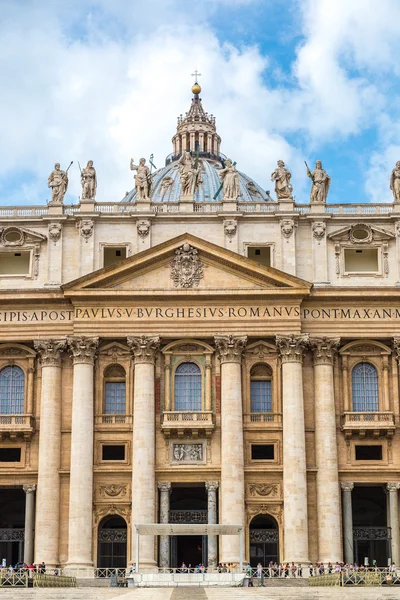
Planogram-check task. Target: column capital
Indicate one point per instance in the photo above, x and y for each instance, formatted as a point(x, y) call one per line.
point(212, 485)
point(164, 486)
point(291, 347)
point(50, 351)
point(144, 348)
point(346, 486)
point(83, 349)
point(230, 347)
point(324, 350)
point(29, 488)
point(392, 486)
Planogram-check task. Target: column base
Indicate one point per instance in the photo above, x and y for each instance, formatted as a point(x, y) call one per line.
point(147, 567)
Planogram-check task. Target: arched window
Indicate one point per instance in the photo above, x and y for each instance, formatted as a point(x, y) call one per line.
point(115, 390)
point(188, 387)
point(260, 389)
point(12, 391)
point(365, 388)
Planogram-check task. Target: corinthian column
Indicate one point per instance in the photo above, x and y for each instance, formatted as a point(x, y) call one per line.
point(328, 495)
point(144, 350)
point(165, 490)
point(211, 487)
point(230, 348)
point(83, 350)
point(48, 488)
point(393, 489)
point(294, 449)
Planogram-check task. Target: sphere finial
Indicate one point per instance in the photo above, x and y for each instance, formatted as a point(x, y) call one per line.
point(196, 89)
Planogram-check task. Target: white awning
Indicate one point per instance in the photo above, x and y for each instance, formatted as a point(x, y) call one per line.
point(174, 529)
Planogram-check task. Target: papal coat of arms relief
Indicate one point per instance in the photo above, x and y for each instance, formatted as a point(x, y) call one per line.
point(186, 268)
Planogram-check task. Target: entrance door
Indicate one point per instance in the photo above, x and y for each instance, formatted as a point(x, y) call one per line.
point(112, 536)
point(264, 540)
point(12, 521)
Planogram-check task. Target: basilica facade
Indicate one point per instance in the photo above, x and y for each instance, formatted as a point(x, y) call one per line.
point(201, 351)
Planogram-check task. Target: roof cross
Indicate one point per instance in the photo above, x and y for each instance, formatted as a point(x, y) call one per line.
point(196, 74)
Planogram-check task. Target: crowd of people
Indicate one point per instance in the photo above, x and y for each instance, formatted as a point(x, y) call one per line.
point(23, 567)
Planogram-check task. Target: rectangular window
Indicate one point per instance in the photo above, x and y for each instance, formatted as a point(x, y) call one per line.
point(113, 452)
point(368, 452)
point(261, 254)
point(261, 396)
point(15, 263)
point(112, 255)
point(361, 261)
point(115, 398)
point(262, 452)
point(10, 455)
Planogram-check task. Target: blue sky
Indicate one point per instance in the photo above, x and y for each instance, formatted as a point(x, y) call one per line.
point(106, 79)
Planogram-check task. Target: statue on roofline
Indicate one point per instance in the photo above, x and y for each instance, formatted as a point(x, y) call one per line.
point(395, 182)
point(320, 183)
point(282, 177)
point(143, 180)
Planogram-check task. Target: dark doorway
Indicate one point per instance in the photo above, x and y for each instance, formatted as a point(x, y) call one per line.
point(264, 540)
point(12, 525)
point(112, 536)
point(188, 505)
point(371, 536)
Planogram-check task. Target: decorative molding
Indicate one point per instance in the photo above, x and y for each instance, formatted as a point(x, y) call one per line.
point(50, 351)
point(113, 490)
point(143, 228)
point(164, 486)
point(83, 349)
point(324, 350)
point(264, 490)
point(230, 347)
point(392, 486)
point(85, 227)
point(123, 511)
point(144, 348)
point(318, 229)
point(230, 228)
point(396, 348)
point(291, 347)
point(29, 488)
point(115, 351)
point(287, 228)
point(385, 255)
point(275, 510)
point(13, 236)
point(186, 268)
point(337, 259)
point(369, 234)
point(346, 486)
point(12, 352)
point(54, 232)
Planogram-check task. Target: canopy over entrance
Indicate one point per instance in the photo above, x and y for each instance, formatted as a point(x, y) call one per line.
point(187, 529)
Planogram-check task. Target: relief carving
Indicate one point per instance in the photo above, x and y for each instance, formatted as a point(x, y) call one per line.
point(287, 226)
point(112, 509)
point(187, 453)
point(85, 227)
point(54, 232)
point(230, 228)
point(113, 491)
point(186, 268)
point(318, 229)
point(264, 489)
point(143, 228)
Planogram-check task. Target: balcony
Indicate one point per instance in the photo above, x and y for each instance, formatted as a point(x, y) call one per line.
point(113, 422)
point(263, 421)
point(187, 423)
point(368, 423)
point(13, 426)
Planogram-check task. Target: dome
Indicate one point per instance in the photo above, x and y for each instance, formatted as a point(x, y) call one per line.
point(167, 185)
point(196, 134)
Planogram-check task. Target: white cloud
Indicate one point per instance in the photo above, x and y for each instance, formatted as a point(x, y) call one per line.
point(105, 80)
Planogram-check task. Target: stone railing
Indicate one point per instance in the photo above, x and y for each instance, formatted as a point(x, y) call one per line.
point(187, 420)
point(13, 425)
point(264, 420)
point(359, 209)
point(358, 422)
point(23, 211)
point(113, 421)
point(115, 207)
point(257, 207)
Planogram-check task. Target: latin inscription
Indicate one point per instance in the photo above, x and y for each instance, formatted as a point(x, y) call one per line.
point(138, 313)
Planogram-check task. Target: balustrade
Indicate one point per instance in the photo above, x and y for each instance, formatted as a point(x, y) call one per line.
point(13, 425)
point(187, 420)
point(356, 422)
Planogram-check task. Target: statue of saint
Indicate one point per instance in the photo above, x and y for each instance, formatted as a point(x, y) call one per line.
point(88, 181)
point(186, 173)
point(58, 183)
point(143, 181)
point(395, 182)
point(230, 181)
point(320, 183)
point(282, 177)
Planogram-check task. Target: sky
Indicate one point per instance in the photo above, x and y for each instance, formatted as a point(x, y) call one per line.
point(286, 79)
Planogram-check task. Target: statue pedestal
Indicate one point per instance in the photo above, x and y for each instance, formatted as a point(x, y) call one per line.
point(143, 206)
point(286, 205)
point(317, 208)
point(186, 199)
point(88, 205)
point(396, 207)
point(56, 209)
point(229, 205)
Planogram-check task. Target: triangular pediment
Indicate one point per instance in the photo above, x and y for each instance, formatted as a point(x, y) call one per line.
point(182, 265)
point(361, 233)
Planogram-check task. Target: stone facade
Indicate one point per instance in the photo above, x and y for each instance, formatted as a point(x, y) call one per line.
point(186, 289)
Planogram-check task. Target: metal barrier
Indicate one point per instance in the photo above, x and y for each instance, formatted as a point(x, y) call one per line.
point(329, 580)
point(41, 580)
point(14, 579)
point(366, 577)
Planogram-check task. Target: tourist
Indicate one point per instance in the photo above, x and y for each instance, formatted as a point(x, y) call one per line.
point(299, 570)
point(293, 570)
point(311, 570)
point(330, 568)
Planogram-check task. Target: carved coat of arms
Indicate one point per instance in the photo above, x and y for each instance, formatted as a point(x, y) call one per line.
point(186, 268)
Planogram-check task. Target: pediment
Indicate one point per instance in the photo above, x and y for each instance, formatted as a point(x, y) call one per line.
point(19, 236)
point(371, 232)
point(183, 265)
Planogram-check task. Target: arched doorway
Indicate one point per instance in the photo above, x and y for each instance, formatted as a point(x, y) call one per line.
point(112, 537)
point(264, 540)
